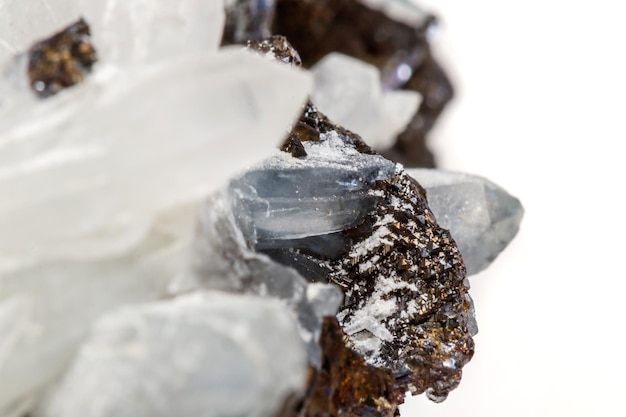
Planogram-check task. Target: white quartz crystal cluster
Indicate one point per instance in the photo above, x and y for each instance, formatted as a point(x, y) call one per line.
point(99, 184)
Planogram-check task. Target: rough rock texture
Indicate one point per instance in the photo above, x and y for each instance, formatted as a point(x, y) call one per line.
point(62, 60)
point(276, 47)
point(342, 214)
point(208, 354)
point(398, 45)
point(482, 217)
point(345, 385)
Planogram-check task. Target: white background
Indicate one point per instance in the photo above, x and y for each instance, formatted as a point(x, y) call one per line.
point(540, 108)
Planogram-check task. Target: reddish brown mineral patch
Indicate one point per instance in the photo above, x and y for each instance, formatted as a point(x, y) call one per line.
point(345, 385)
point(62, 60)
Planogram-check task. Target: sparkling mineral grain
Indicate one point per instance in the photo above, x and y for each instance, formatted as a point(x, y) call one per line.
point(61, 60)
point(345, 215)
point(276, 47)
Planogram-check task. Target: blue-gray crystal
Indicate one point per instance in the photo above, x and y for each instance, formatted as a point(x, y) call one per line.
point(482, 217)
point(305, 204)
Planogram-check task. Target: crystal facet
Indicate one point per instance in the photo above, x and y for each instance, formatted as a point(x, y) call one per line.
point(349, 91)
point(211, 354)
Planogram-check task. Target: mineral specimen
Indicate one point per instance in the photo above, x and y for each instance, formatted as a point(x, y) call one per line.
point(62, 60)
point(345, 215)
point(482, 217)
point(207, 354)
point(99, 187)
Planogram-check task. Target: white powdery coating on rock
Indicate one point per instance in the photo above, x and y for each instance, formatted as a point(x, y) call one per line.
point(83, 174)
point(209, 354)
point(349, 92)
point(330, 152)
point(481, 216)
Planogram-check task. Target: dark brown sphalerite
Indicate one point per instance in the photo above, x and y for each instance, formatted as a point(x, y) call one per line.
point(406, 307)
point(62, 60)
point(401, 51)
point(345, 385)
point(278, 48)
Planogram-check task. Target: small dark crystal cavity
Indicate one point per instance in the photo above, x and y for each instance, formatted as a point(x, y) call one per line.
point(279, 48)
point(61, 60)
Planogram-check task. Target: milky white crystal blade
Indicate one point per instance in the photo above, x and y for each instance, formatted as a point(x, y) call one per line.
point(47, 309)
point(152, 30)
point(209, 354)
point(349, 92)
point(22, 22)
point(405, 11)
point(88, 180)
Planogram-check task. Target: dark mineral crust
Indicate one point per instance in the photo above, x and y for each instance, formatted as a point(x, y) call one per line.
point(278, 47)
point(62, 60)
point(345, 385)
